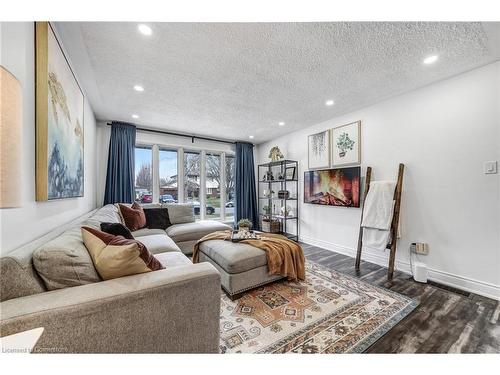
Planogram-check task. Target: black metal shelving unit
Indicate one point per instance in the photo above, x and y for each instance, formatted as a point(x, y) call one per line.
point(291, 185)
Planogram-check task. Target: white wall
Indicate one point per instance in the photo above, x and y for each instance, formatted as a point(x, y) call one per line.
point(442, 133)
point(33, 219)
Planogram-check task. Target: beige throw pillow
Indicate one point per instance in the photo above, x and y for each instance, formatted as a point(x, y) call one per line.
point(116, 256)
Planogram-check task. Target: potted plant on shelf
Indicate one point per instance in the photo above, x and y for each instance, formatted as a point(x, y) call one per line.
point(244, 225)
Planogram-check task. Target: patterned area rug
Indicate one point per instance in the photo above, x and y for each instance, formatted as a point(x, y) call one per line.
point(328, 313)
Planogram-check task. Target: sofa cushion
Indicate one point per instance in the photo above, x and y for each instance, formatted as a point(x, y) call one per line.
point(108, 213)
point(18, 277)
point(194, 231)
point(187, 246)
point(64, 261)
point(157, 218)
point(147, 232)
point(133, 216)
point(159, 243)
point(234, 257)
point(116, 256)
point(117, 229)
point(173, 259)
point(180, 212)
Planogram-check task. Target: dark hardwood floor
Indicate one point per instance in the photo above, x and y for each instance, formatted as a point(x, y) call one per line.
point(444, 322)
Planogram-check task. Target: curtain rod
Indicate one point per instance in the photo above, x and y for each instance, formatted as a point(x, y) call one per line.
point(193, 137)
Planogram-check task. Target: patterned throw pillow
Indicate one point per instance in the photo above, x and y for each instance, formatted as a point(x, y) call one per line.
point(116, 256)
point(133, 216)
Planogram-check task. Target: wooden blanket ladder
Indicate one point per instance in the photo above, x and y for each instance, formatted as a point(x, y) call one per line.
point(394, 225)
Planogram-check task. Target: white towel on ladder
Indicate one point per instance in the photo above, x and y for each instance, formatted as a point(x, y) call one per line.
point(378, 211)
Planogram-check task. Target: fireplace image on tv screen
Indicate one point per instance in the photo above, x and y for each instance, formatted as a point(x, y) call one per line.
point(333, 187)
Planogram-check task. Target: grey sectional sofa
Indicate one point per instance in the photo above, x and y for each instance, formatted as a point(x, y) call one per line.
point(52, 283)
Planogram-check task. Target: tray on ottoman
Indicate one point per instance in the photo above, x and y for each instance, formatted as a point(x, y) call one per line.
point(242, 266)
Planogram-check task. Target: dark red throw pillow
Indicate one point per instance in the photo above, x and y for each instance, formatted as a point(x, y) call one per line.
point(133, 216)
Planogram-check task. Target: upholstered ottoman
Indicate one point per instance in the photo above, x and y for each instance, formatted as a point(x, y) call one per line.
point(242, 267)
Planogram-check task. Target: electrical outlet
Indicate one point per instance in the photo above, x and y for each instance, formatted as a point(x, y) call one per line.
point(420, 248)
point(490, 167)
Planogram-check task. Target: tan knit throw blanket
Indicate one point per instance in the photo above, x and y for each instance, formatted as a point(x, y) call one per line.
point(284, 257)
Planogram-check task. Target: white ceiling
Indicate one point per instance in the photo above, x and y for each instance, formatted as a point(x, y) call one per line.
point(232, 80)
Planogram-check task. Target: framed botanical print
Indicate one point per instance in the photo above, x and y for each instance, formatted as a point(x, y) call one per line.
point(59, 121)
point(346, 144)
point(319, 150)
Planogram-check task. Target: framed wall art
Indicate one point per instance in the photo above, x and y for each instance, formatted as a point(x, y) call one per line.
point(346, 144)
point(319, 150)
point(59, 121)
point(290, 173)
point(333, 187)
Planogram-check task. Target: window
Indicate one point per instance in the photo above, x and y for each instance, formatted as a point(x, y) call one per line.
point(192, 164)
point(229, 186)
point(213, 186)
point(169, 174)
point(168, 192)
point(143, 174)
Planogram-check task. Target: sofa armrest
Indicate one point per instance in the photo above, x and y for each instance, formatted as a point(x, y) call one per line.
point(174, 310)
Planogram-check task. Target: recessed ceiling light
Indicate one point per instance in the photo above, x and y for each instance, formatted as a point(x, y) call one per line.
point(251, 136)
point(138, 88)
point(329, 102)
point(430, 59)
point(145, 29)
point(135, 116)
point(281, 123)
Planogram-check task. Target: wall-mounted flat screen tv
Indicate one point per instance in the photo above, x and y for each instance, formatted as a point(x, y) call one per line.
point(333, 187)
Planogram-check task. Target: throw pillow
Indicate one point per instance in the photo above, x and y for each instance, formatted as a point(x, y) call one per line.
point(117, 229)
point(157, 218)
point(133, 216)
point(65, 262)
point(116, 256)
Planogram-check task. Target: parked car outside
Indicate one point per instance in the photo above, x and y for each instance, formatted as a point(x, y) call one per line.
point(230, 204)
point(167, 198)
point(196, 206)
point(147, 198)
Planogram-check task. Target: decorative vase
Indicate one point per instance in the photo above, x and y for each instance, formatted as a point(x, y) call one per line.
point(342, 154)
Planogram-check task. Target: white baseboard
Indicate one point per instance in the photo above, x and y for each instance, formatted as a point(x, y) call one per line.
point(381, 258)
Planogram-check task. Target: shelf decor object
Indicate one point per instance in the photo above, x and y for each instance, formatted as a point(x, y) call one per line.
point(11, 120)
point(275, 154)
point(59, 120)
point(346, 144)
point(279, 213)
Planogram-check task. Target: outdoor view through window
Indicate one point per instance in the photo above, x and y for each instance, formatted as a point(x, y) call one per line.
point(143, 175)
point(168, 176)
point(217, 180)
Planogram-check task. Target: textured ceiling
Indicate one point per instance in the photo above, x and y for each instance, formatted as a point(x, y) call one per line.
point(232, 80)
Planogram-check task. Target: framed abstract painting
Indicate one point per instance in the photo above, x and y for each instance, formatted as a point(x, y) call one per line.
point(319, 150)
point(346, 148)
point(59, 121)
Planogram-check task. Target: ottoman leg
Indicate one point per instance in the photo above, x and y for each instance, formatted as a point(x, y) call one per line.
point(236, 296)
